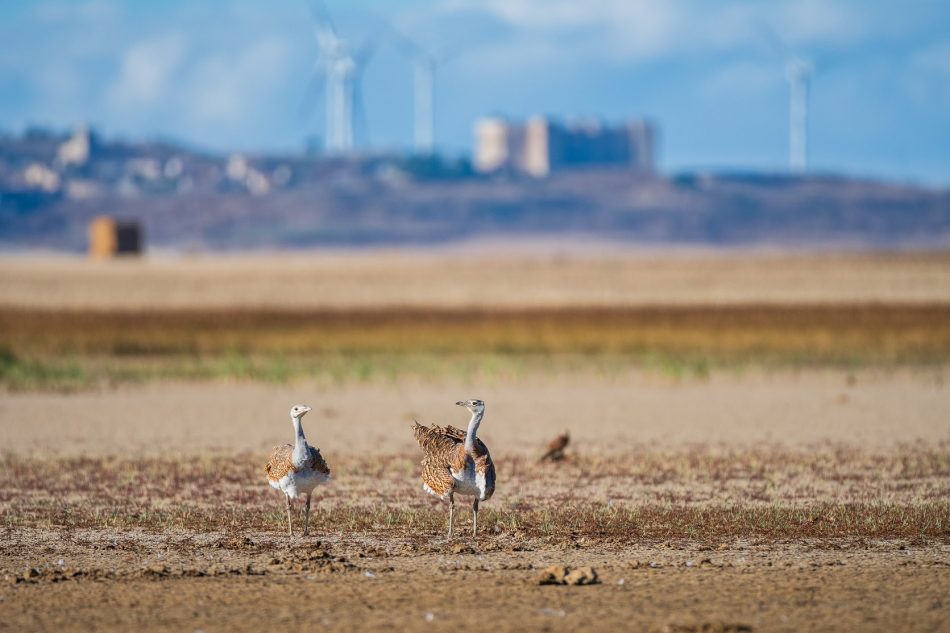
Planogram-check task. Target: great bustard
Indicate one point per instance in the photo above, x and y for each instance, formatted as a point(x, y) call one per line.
point(296, 469)
point(555, 449)
point(457, 462)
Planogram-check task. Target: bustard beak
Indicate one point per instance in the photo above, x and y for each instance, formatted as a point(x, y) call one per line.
point(460, 403)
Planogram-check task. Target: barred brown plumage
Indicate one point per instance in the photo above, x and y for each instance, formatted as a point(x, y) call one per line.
point(456, 461)
point(281, 462)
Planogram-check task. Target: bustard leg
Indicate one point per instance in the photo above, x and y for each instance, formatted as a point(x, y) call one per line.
point(306, 525)
point(290, 525)
point(451, 512)
point(475, 518)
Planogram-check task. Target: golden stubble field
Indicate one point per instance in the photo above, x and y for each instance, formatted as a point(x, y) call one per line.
point(759, 442)
point(603, 277)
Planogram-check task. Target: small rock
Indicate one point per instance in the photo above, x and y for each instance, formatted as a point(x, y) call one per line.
point(430, 617)
point(553, 575)
point(581, 576)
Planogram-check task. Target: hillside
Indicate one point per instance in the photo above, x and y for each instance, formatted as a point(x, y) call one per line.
point(190, 201)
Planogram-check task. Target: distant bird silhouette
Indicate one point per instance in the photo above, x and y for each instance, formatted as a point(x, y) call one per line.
point(555, 450)
point(296, 469)
point(455, 461)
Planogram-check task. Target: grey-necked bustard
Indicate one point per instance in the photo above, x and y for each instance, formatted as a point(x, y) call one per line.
point(296, 469)
point(457, 462)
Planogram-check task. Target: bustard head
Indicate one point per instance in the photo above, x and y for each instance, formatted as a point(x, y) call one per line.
point(299, 411)
point(475, 406)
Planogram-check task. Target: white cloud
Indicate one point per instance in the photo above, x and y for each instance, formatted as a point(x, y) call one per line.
point(741, 78)
point(147, 72)
point(641, 30)
point(166, 78)
point(805, 22)
point(225, 89)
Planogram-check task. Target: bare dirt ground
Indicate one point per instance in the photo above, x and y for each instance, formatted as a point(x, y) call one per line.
point(358, 280)
point(669, 586)
point(777, 501)
point(792, 408)
point(746, 497)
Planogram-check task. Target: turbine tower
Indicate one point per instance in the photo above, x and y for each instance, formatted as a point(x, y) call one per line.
point(342, 70)
point(424, 65)
point(423, 135)
point(798, 73)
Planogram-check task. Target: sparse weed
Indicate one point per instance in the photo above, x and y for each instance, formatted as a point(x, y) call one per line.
point(694, 494)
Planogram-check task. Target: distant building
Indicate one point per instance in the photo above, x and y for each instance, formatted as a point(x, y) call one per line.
point(239, 170)
point(541, 145)
point(109, 237)
point(75, 150)
point(39, 176)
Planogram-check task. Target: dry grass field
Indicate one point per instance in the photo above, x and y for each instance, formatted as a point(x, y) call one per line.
point(758, 442)
point(548, 277)
point(73, 348)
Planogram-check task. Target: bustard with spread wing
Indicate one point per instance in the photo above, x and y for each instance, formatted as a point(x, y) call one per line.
point(457, 462)
point(296, 469)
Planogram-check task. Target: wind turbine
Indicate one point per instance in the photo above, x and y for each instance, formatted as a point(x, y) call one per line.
point(425, 62)
point(798, 72)
point(342, 70)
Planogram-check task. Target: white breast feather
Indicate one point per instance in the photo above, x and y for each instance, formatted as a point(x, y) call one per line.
point(433, 492)
point(466, 480)
point(300, 483)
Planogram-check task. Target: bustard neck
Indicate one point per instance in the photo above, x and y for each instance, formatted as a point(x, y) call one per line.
point(472, 429)
point(301, 450)
point(301, 439)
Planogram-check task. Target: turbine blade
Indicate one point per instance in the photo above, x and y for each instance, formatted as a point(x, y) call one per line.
point(366, 51)
point(446, 53)
point(315, 88)
point(360, 121)
point(774, 41)
point(406, 44)
point(321, 15)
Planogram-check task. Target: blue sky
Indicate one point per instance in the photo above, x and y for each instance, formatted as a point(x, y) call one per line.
point(231, 75)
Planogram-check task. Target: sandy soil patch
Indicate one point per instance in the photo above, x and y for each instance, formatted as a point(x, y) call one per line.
point(873, 408)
